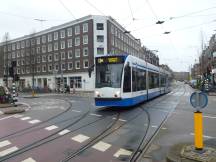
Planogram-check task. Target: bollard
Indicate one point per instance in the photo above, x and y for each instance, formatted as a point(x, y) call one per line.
point(198, 130)
point(14, 93)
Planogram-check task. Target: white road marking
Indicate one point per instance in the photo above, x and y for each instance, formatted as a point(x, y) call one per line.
point(210, 117)
point(34, 121)
point(75, 110)
point(51, 127)
point(114, 118)
point(163, 128)
point(122, 120)
point(101, 146)
point(6, 117)
point(64, 132)
point(80, 138)
point(95, 114)
point(26, 118)
point(122, 152)
point(29, 160)
point(205, 136)
point(18, 116)
point(154, 126)
point(4, 143)
point(8, 151)
point(1, 112)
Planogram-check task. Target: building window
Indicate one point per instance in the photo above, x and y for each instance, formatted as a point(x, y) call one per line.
point(69, 32)
point(63, 66)
point(49, 47)
point(77, 52)
point(62, 33)
point(13, 47)
point(50, 67)
point(77, 64)
point(70, 65)
point(50, 58)
point(85, 27)
point(13, 55)
point(62, 44)
point(22, 53)
point(70, 54)
point(55, 46)
point(85, 63)
point(85, 39)
point(44, 49)
point(18, 54)
point(44, 58)
point(27, 70)
point(100, 51)
point(44, 39)
point(32, 42)
point(23, 62)
point(56, 56)
point(55, 35)
point(23, 71)
point(100, 38)
point(38, 68)
point(76, 82)
point(18, 45)
point(38, 50)
point(85, 51)
point(22, 45)
point(18, 62)
point(56, 67)
point(38, 59)
point(49, 37)
point(77, 41)
point(112, 29)
point(18, 70)
point(62, 55)
point(38, 40)
point(27, 43)
point(100, 26)
point(69, 43)
point(44, 68)
point(77, 29)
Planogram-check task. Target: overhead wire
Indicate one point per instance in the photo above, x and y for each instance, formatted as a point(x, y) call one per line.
point(93, 6)
point(131, 12)
point(67, 9)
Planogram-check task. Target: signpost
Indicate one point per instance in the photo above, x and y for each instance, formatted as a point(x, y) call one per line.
point(198, 100)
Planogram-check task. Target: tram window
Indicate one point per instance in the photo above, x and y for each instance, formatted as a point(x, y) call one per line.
point(127, 79)
point(141, 80)
point(134, 80)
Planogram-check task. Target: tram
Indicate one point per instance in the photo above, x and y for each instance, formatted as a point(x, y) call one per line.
point(124, 80)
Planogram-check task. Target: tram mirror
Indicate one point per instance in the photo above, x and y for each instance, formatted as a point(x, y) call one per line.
point(90, 69)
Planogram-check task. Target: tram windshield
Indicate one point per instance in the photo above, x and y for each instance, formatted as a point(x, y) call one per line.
point(108, 75)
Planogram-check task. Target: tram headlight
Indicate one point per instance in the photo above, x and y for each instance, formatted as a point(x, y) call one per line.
point(117, 94)
point(97, 93)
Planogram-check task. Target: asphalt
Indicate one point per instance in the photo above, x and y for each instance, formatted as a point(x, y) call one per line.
point(178, 132)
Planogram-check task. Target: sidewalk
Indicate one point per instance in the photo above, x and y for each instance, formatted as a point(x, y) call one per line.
point(12, 109)
point(76, 94)
point(178, 130)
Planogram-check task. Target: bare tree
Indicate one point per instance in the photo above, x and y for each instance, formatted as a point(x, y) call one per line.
point(32, 54)
point(5, 57)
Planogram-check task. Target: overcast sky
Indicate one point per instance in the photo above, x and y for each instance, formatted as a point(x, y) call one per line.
point(192, 21)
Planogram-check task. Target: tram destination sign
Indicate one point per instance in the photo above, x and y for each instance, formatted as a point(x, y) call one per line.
point(109, 60)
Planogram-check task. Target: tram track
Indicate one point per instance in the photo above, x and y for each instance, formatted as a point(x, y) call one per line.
point(143, 146)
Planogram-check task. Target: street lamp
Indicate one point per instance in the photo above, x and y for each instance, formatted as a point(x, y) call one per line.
point(167, 32)
point(160, 22)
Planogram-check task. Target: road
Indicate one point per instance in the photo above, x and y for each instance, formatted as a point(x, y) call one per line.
point(69, 128)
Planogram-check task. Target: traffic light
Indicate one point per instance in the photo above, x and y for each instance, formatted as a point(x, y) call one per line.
point(11, 71)
point(16, 77)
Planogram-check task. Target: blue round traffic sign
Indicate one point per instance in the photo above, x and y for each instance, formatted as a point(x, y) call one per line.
point(199, 100)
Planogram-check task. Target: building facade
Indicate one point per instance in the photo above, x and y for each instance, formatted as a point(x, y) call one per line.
point(61, 55)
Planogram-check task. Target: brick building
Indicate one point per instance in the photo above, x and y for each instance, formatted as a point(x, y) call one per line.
point(62, 54)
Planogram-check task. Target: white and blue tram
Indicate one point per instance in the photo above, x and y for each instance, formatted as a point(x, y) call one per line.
point(125, 80)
